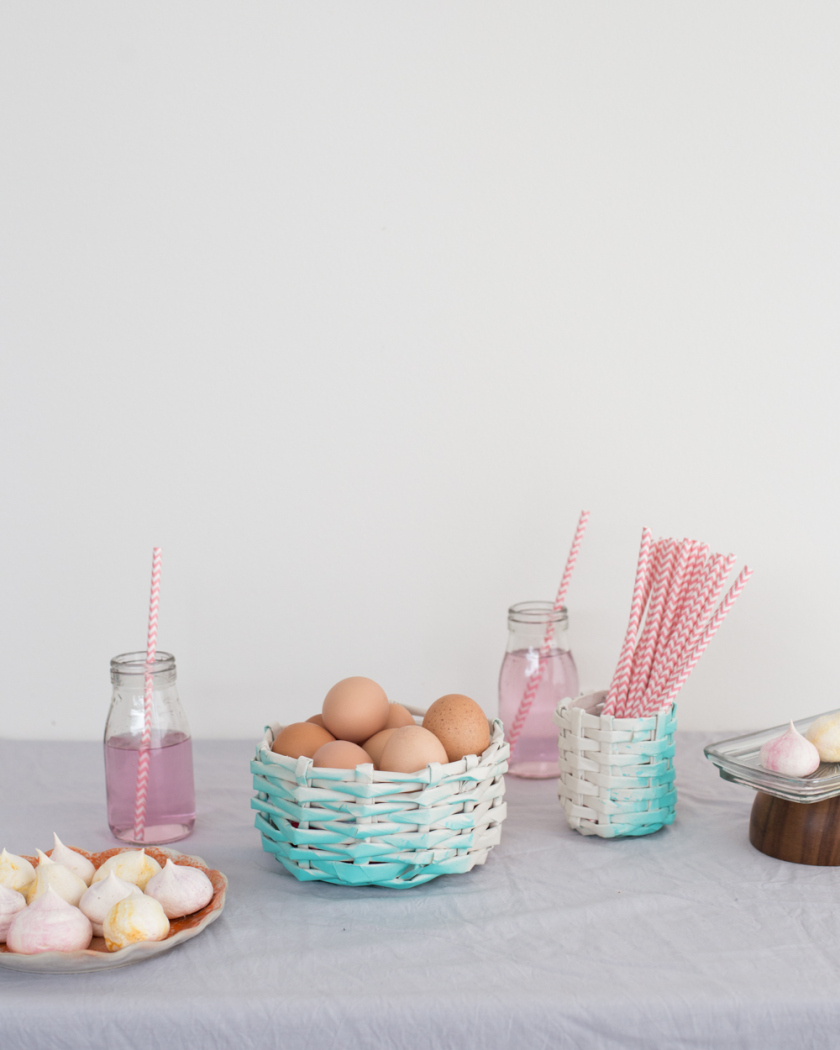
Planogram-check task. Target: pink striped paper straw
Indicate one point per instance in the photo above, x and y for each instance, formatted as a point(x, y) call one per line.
point(681, 673)
point(698, 569)
point(148, 683)
point(621, 678)
point(720, 569)
point(696, 619)
point(681, 595)
point(673, 601)
point(534, 681)
point(692, 605)
point(658, 554)
point(645, 650)
point(673, 604)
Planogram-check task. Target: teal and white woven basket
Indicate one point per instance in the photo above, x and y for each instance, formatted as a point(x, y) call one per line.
point(616, 774)
point(361, 827)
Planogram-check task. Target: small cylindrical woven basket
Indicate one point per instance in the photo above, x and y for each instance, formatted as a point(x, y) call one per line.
point(616, 774)
point(362, 827)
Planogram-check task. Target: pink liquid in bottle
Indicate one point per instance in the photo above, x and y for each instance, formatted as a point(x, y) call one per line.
point(535, 753)
point(170, 803)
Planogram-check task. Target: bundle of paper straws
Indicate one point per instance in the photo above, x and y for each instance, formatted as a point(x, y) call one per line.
point(673, 617)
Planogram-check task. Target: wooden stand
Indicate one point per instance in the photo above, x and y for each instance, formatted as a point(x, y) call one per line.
point(796, 831)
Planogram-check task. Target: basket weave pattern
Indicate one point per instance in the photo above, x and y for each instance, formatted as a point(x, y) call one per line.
point(362, 827)
point(616, 774)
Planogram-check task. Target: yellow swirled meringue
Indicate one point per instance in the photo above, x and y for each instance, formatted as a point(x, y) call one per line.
point(181, 889)
point(67, 885)
point(49, 925)
point(824, 734)
point(132, 865)
point(15, 872)
point(72, 860)
point(102, 896)
point(11, 902)
point(134, 919)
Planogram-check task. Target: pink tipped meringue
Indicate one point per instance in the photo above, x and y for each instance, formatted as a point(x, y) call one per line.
point(67, 885)
point(102, 896)
point(790, 754)
point(11, 902)
point(50, 924)
point(73, 861)
point(15, 872)
point(181, 889)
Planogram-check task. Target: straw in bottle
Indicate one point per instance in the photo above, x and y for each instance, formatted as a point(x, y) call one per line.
point(534, 681)
point(148, 692)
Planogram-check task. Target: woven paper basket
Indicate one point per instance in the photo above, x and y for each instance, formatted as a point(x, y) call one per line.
point(616, 774)
point(361, 827)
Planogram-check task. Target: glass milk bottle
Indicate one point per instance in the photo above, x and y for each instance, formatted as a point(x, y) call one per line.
point(535, 752)
point(170, 797)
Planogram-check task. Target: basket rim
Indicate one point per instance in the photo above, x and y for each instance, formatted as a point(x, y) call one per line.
point(593, 710)
point(435, 772)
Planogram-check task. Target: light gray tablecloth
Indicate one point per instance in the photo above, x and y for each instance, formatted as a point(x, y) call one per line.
point(686, 938)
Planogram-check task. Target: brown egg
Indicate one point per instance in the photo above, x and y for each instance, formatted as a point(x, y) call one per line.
point(300, 738)
point(459, 724)
point(340, 754)
point(354, 709)
point(411, 748)
point(376, 743)
point(399, 716)
point(317, 720)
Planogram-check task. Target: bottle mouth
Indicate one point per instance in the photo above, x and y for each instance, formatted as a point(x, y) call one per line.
point(537, 613)
point(135, 663)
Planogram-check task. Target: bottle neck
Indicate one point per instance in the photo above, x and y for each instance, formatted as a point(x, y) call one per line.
point(530, 623)
point(162, 681)
point(129, 714)
point(129, 672)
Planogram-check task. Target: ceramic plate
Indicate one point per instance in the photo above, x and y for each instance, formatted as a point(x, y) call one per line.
point(97, 956)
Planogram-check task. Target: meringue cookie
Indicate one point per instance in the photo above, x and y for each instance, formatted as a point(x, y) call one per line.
point(824, 734)
point(72, 860)
point(132, 865)
point(102, 896)
point(790, 754)
point(49, 925)
point(138, 918)
point(67, 885)
point(11, 902)
point(15, 872)
point(181, 889)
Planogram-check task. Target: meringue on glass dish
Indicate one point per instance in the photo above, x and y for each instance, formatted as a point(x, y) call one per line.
point(824, 734)
point(790, 754)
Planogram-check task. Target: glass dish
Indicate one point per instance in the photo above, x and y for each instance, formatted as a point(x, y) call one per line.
point(737, 760)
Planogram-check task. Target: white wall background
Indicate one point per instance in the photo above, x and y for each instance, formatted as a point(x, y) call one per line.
point(352, 307)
